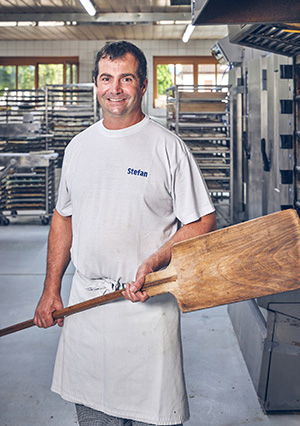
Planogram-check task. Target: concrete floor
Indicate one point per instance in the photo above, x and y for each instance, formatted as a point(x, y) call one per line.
point(219, 388)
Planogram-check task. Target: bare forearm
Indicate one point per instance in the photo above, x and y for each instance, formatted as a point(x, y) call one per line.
point(59, 245)
point(162, 257)
point(58, 258)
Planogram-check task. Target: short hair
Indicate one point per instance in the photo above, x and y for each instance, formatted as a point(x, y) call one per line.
point(118, 49)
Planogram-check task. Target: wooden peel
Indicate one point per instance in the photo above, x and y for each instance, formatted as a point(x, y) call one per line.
point(252, 259)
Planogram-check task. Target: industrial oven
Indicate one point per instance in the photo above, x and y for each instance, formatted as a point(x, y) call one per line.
point(265, 93)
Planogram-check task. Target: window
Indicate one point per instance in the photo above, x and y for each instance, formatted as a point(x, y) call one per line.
point(207, 74)
point(50, 74)
point(71, 73)
point(191, 70)
point(184, 74)
point(27, 73)
point(26, 77)
point(7, 77)
point(222, 74)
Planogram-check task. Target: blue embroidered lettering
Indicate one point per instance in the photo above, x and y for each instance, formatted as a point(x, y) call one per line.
point(136, 172)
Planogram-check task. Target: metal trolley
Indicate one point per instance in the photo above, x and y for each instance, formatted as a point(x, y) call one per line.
point(27, 183)
point(201, 116)
point(35, 128)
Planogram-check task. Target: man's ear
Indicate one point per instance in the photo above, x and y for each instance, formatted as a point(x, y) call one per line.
point(144, 85)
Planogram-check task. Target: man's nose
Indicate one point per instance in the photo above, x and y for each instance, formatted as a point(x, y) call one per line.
point(116, 86)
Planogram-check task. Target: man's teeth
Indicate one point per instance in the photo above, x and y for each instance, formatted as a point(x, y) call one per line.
point(116, 100)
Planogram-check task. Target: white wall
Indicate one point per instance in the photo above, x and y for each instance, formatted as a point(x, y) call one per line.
point(87, 49)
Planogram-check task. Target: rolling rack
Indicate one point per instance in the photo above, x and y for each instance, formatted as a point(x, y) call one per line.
point(201, 117)
point(35, 128)
point(27, 165)
point(69, 109)
point(23, 184)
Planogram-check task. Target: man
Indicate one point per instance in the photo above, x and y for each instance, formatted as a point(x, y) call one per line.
point(129, 190)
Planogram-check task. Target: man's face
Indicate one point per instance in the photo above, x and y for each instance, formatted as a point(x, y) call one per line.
point(118, 87)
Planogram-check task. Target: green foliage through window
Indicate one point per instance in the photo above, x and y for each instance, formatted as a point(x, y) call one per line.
point(26, 77)
point(7, 77)
point(30, 73)
point(50, 74)
point(164, 79)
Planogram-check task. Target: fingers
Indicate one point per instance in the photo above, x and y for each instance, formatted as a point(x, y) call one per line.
point(60, 322)
point(43, 318)
point(134, 294)
point(46, 321)
point(43, 314)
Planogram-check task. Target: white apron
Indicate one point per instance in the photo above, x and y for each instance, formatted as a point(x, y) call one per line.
point(136, 348)
point(128, 191)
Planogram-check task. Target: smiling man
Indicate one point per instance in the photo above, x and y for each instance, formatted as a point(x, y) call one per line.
point(129, 190)
point(119, 91)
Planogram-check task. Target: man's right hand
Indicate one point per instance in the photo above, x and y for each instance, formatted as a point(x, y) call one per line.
point(47, 305)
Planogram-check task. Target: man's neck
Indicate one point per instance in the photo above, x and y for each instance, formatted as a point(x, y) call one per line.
point(118, 123)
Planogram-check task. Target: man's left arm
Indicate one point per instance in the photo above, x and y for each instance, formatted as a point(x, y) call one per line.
point(162, 256)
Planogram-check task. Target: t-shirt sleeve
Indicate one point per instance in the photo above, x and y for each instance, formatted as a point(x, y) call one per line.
point(190, 194)
point(64, 205)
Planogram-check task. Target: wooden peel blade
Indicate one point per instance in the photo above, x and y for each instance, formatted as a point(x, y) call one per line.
point(244, 261)
point(249, 260)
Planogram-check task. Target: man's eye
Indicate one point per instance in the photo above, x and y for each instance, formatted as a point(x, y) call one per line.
point(127, 79)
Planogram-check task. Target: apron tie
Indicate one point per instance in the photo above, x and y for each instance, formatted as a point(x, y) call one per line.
point(106, 285)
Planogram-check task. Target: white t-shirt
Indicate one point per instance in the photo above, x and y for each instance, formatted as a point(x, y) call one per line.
point(128, 191)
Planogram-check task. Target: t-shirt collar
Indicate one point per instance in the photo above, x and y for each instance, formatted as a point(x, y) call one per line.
point(123, 132)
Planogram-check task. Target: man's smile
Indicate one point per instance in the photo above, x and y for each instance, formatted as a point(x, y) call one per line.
point(116, 100)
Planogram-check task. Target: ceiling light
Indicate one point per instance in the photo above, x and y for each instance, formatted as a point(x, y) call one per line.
point(165, 22)
point(8, 24)
point(187, 33)
point(51, 24)
point(26, 24)
point(89, 7)
point(70, 23)
point(182, 22)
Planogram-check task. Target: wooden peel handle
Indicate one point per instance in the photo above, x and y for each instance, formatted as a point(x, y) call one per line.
point(16, 327)
point(155, 283)
point(66, 311)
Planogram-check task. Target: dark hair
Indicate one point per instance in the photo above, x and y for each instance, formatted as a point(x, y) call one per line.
point(118, 49)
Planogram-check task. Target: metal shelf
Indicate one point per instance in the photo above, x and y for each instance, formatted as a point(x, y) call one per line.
point(201, 116)
point(69, 110)
point(32, 121)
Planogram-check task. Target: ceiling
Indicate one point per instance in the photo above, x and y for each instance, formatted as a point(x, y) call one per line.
point(115, 19)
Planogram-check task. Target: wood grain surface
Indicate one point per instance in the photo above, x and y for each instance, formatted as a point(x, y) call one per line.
point(248, 260)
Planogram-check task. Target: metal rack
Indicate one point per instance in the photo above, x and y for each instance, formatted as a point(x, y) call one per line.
point(22, 184)
point(201, 116)
point(26, 179)
point(15, 104)
point(69, 109)
point(38, 122)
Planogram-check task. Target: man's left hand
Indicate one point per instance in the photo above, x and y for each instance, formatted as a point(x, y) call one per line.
point(133, 290)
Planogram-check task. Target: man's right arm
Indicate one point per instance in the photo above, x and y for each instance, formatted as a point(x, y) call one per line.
point(58, 258)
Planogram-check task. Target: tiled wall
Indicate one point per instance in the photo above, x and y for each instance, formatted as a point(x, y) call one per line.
point(86, 50)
